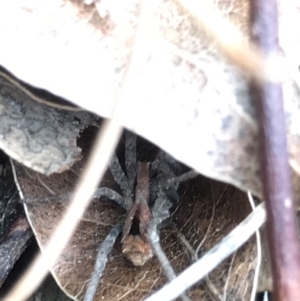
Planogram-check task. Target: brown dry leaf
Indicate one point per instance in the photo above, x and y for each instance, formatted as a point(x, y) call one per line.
point(187, 87)
point(36, 135)
point(207, 211)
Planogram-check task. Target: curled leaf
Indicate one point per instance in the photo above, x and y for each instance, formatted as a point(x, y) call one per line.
point(36, 135)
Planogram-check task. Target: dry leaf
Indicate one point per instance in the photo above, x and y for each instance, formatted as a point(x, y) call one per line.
point(206, 212)
point(187, 87)
point(39, 136)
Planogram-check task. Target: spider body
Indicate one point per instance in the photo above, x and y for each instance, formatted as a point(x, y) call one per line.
point(143, 196)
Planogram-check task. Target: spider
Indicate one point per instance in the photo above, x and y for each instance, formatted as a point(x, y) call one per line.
point(148, 192)
point(144, 200)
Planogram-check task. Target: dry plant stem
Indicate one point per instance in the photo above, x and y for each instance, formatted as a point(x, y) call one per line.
point(232, 43)
point(31, 95)
point(282, 230)
point(228, 245)
point(259, 253)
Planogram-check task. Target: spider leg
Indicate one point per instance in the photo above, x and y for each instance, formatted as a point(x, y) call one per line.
point(102, 257)
point(118, 174)
point(130, 158)
point(177, 180)
point(167, 169)
point(161, 209)
point(164, 188)
point(160, 166)
point(110, 194)
point(65, 198)
point(166, 165)
point(121, 179)
point(160, 254)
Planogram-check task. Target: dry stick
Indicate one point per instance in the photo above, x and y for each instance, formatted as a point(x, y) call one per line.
point(233, 43)
point(198, 270)
point(259, 254)
point(282, 229)
point(24, 88)
point(104, 146)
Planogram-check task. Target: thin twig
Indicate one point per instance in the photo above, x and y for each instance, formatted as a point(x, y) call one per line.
point(102, 257)
point(228, 276)
point(212, 258)
point(233, 44)
point(259, 253)
point(282, 228)
point(212, 290)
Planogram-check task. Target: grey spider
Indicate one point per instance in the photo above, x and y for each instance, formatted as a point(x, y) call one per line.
point(148, 191)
